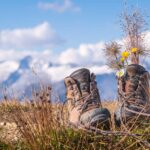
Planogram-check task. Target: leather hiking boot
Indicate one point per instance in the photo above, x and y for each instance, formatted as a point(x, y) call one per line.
point(83, 100)
point(133, 94)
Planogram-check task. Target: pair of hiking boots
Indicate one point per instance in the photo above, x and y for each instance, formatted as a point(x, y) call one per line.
point(84, 103)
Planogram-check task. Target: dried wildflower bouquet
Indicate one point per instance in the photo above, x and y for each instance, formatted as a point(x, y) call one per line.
point(132, 47)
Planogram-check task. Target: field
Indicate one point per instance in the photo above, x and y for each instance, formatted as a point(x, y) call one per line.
point(41, 125)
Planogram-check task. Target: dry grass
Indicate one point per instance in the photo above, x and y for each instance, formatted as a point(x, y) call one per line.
point(39, 125)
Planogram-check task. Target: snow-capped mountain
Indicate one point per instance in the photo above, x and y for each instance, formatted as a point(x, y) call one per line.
point(26, 74)
point(24, 66)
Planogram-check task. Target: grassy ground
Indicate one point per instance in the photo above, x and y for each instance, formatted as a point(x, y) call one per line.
point(39, 125)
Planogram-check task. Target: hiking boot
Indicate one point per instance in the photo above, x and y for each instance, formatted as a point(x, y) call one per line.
point(83, 100)
point(133, 94)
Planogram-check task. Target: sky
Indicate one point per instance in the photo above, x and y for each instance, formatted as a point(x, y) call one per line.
point(60, 24)
point(53, 38)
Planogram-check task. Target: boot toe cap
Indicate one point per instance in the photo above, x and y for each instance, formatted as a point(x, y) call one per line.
point(96, 117)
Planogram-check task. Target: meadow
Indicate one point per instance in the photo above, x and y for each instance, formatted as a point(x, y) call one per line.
point(42, 125)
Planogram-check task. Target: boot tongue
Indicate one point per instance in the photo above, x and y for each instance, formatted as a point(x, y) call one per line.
point(133, 73)
point(134, 69)
point(82, 76)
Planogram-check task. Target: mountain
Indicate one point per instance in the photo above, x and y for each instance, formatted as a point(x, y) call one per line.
point(20, 77)
point(24, 65)
point(23, 80)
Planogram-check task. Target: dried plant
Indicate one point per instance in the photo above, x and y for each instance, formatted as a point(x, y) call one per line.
point(41, 129)
point(112, 53)
point(118, 57)
point(133, 24)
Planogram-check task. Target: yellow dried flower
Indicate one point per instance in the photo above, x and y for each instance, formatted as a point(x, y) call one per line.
point(134, 50)
point(122, 59)
point(125, 54)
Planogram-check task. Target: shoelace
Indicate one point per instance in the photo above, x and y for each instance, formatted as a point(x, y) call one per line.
point(84, 101)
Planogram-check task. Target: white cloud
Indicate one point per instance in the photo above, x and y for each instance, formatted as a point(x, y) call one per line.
point(63, 64)
point(40, 36)
point(85, 54)
point(67, 5)
point(101, 69)
point(58, 66)
point(6, 68)
point(58, 73)
point(147, 40)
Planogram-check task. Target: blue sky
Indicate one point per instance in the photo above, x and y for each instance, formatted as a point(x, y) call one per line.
point(59, 37)
point(84, 21)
